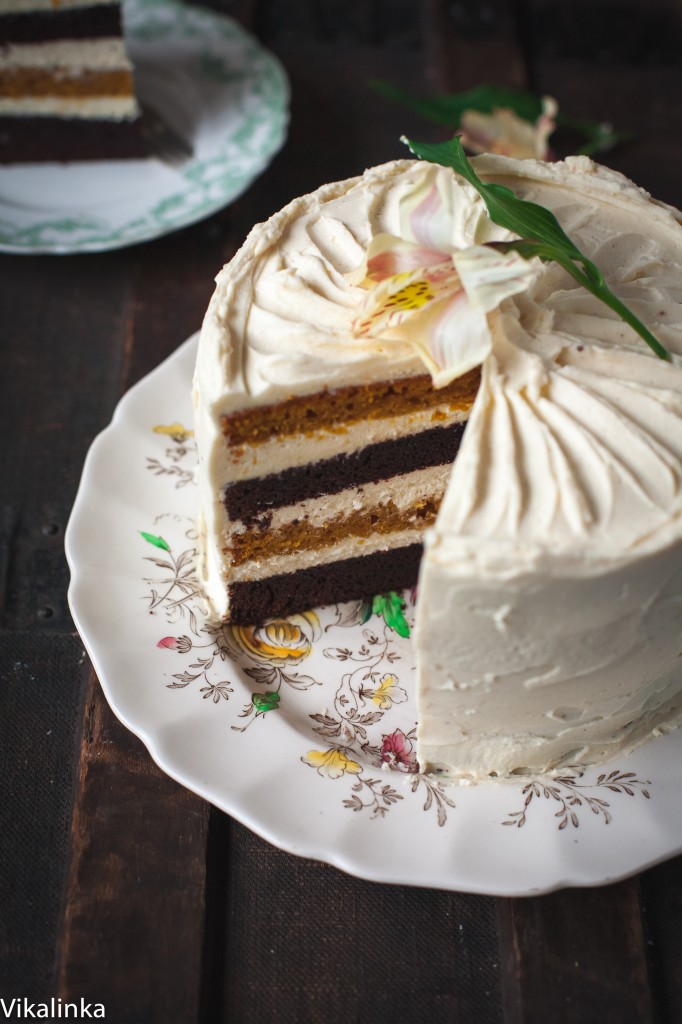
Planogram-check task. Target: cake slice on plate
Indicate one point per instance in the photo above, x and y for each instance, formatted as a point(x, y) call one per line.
point(66, 83)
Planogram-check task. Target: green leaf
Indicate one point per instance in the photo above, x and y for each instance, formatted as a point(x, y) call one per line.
point(449, 109)
point(158, 542)
point(529, 220)
point(265, 701)
point(599, 136)
point(540, 232)
point(391, 606)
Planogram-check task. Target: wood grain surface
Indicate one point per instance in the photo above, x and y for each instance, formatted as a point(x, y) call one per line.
point(116, 884)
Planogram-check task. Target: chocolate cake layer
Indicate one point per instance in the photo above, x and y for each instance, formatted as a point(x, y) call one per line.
point(246, 500)
point(351, 579)
point(94, 22)
point(383, 399)
point(31, 139)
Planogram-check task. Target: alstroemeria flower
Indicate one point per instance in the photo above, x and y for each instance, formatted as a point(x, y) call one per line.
point(331, 763)
point(397, 752)
point(388, 693)
point(504, 132)
point(423, 290)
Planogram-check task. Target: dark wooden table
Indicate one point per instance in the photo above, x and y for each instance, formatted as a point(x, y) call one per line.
point(119, 886)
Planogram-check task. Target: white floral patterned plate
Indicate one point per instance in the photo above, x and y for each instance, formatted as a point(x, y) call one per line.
point(304, 729)
point(211, 82)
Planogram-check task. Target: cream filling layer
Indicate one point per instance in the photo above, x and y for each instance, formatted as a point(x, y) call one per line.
point(281, 453)
point(69, 55)
point(402, 491)
point(69, 58)
point(115, 108)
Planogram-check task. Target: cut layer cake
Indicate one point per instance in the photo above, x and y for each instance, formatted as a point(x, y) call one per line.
point(545, 477)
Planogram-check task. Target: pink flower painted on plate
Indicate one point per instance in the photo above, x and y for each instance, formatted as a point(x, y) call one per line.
point(182, 644)
point(397, 751)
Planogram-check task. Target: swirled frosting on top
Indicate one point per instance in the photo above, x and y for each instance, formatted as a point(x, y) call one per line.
point(280, 320)
point(576, 436)
point(549, 612)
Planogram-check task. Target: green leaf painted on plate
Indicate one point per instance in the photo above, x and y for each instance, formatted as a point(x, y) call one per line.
point(391, 607)
point(365, 611)
point(158, 542)
point(265, 701)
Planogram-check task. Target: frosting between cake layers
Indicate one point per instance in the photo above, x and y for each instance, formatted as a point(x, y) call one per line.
point(69, 55)
point(550, 601)
point(115, 108)
point(69, 78)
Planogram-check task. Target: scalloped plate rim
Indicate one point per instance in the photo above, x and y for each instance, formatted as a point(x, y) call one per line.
point(347, 855)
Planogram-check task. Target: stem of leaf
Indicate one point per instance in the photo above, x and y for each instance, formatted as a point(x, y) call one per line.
point(594, 283)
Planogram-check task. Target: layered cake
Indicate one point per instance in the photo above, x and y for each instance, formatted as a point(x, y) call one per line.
point(66, 83)
point(539, 504)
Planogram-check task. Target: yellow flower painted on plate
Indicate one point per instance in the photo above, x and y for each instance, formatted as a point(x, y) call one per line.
point(331, 763)
point(278, 641)
point(174, 430)
point(389, 693)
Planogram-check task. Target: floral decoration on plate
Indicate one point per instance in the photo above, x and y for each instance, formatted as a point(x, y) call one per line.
point(304, 728)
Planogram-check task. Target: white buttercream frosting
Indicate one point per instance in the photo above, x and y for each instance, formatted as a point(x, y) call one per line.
point(550, 599)
point(280, 319)
point(112, 108)
point(71, 56)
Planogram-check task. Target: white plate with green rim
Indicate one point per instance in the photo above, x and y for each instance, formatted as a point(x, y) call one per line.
point(214, 85)
point(304, 729)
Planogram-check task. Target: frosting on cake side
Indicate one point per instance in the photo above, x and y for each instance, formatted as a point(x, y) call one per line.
point(551, 589)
